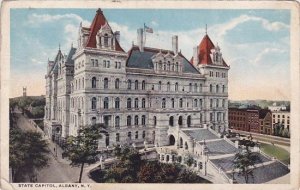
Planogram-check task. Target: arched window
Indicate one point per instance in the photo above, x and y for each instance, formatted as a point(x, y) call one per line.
point(117, 83)
point(144, 134)
point(196, 87)
point(136, 120)
point(143, 120)
point(195, 103)
point(223, 88)
point(176, 86)
point(117, 103)
point(129, 135)
point(210, 88)
point(128, 103)
point(106, 83)
point(189, 121)
point(180, 102)
point(136, 135)
point(190, 87)
point(180, 120)
point(129, 120)
point(169, 65)
point(129, 84)
point(117, 121)
point(223, 103)
point(143, 103)
point(177, 67)
point(94, 102)
point(201, 103)
point(82, 82)
point(94, 120)
point(181, 145)
point(186, 146)
point(165, 68)
point(159, 85)
point(217, 88)
point(105, 40)
point(160, 65)
point(217, 103)
point(79, 83)
point(143, 85)
point(163, 103)
point(118, 137)
point(168, 86)
point(211, 103)
point(136, 85)
point(154, 121)
point(105, 103)
point(171, 121)
point(136, 103)
point(173, 103)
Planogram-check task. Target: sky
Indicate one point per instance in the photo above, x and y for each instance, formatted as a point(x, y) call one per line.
point(255, 43)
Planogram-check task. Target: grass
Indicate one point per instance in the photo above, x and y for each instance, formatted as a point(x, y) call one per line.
point(277, 152)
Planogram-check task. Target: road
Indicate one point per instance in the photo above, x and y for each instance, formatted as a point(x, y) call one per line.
point(278, 141)
point(59, 170)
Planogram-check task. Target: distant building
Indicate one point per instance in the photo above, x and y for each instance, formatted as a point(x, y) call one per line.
point(24, 91)
point(276, 108)
point(244, 119)
point(265, 120)
point(281, 117)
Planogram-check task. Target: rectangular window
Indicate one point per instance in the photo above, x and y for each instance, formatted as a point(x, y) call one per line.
point(93, 62)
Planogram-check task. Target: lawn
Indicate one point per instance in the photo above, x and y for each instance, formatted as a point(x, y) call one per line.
point(277, 152)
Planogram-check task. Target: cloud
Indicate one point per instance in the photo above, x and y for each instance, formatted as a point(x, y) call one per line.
point(154, 23)
point(36, 19)
point(268, 52)
point(36, 62)
point(233, 23)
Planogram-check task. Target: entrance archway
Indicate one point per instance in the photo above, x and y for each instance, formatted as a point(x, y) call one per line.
point(172, 140)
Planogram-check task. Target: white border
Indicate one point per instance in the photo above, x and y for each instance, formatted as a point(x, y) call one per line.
point(293, 6)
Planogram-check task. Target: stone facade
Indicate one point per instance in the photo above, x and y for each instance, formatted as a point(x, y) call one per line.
point(141, 95)
point(281, 117)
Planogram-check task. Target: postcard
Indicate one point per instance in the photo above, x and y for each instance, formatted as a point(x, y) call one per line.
point(150, 94)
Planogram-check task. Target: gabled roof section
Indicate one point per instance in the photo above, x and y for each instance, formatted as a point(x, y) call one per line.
point(70, 55)
point(205, 47)
point(263, 113)
point(98, 22)
point(143, 60)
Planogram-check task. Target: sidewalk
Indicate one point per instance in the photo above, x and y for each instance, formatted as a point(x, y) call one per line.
point(57, 151)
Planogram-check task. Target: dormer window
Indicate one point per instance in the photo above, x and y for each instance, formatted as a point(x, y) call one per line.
point(106, 40)
point(217, 55)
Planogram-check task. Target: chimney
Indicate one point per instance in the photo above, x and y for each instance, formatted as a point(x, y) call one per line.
point(175, 44)
point(140, 39)
point(195, 56)
point(117, 36)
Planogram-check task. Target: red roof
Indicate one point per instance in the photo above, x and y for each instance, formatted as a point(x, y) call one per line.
point(98, 22)
point(205, 47)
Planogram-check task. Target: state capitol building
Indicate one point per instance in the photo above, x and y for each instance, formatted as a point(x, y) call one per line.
point(145, 95)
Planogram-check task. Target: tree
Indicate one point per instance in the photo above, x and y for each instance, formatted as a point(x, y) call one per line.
point(82, 149)
point(189, 160)
point(28, 152)
point(244, 162)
